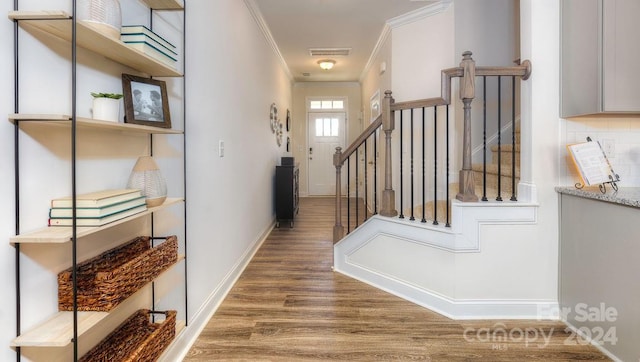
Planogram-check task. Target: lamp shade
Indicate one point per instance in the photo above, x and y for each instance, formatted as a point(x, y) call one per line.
point(147, 177)
point(326, 64)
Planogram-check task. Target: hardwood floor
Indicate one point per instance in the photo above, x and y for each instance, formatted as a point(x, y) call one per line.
point(289, 305)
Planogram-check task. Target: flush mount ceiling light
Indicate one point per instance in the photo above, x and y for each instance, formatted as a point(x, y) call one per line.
point(326, 64)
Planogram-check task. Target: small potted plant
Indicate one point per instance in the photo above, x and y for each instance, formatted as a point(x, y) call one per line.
point(106, 106)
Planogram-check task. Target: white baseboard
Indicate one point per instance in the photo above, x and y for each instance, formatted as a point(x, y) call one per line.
point(456, 309)
point(183, 342)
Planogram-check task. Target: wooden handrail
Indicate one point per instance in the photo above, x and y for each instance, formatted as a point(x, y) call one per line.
point(361, 139)
point(420, 103)
point(523, 70)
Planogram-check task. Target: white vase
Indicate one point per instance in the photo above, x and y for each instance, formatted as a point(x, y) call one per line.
point(103, 15)
point(147, 177)
point(106, 109)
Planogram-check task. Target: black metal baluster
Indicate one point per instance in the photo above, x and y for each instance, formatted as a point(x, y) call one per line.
point(366, 191)
point(348, 194)
point(447, 224)
point(484, 138)
point(357, 200)
point(375, 173)
point(435, 165)
point(424, 178)
point(401, 173)
point(499, 198)
point(513, 139)
point(412, 218)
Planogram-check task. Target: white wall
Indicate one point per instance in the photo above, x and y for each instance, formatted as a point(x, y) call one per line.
point(420, 50)
point(493, 42)
point(374, 81)
point(230, 199)
point(230, 204)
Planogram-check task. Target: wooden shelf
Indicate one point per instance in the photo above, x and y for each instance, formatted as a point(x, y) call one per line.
point(88, 123)
point(63, 234)
point(57, 331)
point(164, 4)
point(88, 37)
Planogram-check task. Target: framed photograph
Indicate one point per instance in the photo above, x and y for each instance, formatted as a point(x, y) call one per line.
point(145, 101)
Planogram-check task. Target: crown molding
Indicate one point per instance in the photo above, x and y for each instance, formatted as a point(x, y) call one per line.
point(386, 31)
point(401, 20)
point(326, 84)
point(419, 14)
point(262, 24)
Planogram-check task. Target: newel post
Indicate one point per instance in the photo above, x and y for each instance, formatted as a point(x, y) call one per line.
point(388, 124)
point(338, 229)
point(467, 186)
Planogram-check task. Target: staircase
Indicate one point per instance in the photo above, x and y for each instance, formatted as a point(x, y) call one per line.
point(506, 155)
point(471, 263)
point(506, 171)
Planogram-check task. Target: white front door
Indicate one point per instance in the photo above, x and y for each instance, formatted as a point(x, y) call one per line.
point(326, 132)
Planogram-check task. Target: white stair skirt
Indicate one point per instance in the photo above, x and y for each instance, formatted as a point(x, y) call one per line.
point(457, 271)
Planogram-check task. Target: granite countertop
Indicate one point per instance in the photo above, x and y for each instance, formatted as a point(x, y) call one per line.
point(628, 196)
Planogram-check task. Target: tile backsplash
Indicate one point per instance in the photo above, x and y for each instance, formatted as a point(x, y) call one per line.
point(620, 137)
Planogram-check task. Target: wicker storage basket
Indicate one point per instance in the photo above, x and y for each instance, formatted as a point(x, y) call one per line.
point(109, 278)
point(136, 339)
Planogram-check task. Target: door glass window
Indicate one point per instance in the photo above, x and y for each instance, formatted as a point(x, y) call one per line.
point(327, 104)
point(327, 127)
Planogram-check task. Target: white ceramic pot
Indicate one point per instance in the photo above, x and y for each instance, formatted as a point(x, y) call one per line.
point(106, 109)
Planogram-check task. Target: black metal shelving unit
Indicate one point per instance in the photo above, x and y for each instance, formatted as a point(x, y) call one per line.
point(17, 119)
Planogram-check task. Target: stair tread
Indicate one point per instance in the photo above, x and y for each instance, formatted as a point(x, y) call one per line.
point(493, 169)
point(505, 148)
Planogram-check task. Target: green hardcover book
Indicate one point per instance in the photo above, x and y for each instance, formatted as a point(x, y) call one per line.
point(99, 221)
point(96, 212)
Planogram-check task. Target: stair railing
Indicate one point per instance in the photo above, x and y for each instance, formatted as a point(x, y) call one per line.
point(467, 72)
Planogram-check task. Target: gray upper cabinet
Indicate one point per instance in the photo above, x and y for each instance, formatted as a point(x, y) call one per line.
point(599, 52)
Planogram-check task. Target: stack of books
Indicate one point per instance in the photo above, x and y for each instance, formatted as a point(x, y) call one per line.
point(143, 39)
point(97, 208)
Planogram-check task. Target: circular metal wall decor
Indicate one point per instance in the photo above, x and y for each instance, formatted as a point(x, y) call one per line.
point(279, 134)
point(273, 117)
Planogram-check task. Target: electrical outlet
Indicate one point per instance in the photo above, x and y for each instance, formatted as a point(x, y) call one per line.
point(609, 147)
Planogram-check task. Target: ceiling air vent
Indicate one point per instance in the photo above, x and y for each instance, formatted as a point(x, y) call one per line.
point(329, 52)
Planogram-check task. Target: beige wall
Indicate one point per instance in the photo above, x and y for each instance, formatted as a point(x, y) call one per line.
point(373, 80)
point(298, 133)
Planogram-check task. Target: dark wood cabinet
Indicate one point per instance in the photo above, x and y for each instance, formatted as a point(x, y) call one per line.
point(287, 193)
